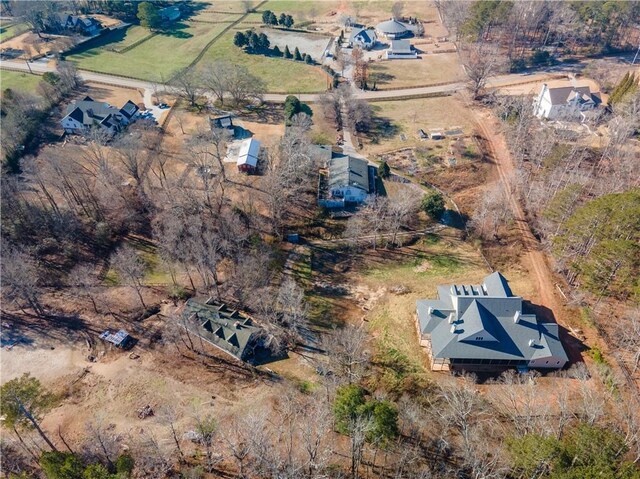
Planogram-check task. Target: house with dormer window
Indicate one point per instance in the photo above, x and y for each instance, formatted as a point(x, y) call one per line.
point(484, 328)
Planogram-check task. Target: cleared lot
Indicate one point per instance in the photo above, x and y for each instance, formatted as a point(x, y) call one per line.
point(314, 45)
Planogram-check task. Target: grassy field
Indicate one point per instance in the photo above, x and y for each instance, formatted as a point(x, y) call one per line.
point(428, 70)
point(406, 117)
point(279, 75)
point(19, 81)
point(9, 30)
point(157, 58)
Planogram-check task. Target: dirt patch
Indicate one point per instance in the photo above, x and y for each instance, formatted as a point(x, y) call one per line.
point(314, 45)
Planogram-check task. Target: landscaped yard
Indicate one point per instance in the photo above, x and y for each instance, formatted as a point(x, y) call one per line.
point(428, 70)
point(279, 75)
point(24, 82)
point(155, 59)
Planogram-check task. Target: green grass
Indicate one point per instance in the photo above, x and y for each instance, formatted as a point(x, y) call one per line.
point(11, 30)
point(24, 82)
point(437, 264)
point(279, 75)
point(157, 58)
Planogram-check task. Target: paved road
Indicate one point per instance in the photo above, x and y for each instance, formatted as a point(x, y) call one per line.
point(500, 81)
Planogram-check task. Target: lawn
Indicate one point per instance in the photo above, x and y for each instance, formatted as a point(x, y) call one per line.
point(429, 70)
point(10, 30)
point(279, 75)
point(406, 117)
point(19, 81)
point(156, 59)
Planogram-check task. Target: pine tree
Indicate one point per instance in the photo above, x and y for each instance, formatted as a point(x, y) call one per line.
point(296, 55)
point(287, 52)
point(276, 51)
point(283, 19)
point(308, 59)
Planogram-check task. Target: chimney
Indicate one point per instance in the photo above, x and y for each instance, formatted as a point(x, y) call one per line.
point(453, 329)
point(532, 343)
point(516, 317)
point(451, 318)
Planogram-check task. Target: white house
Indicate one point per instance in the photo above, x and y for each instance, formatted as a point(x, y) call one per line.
point(85, 114)
point(363, 38)
point(565, 103)
point(401, 50)
point(350, 181)
point(248, 155)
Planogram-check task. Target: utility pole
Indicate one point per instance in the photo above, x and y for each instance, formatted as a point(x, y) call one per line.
point(28, 66)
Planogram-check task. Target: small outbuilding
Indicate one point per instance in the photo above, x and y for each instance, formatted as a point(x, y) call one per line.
point(392, 29)
point(222, 121)
point(248, 155)
point(401, 50)
point(119, 339)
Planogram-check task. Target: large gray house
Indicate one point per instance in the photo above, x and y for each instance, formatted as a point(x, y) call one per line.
point(85, 114)
point(483, 327)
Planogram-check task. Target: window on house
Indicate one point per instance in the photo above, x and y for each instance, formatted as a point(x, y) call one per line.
point(479, 338)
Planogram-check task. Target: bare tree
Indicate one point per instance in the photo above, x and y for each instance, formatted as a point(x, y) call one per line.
point(627, 333)
point(492, 212)
point(130, 268)
point(84, 280)
point(20, 280)
point(215, 78)
point(480, 61)
point(187, 84)
point(396, 10)
point(348, 352)
point(207, 428)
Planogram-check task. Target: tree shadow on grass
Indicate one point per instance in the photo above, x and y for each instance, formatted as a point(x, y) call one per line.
point(176, 30)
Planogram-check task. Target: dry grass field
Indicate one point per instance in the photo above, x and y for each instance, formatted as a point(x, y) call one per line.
point(430, 69)
point(406, 117)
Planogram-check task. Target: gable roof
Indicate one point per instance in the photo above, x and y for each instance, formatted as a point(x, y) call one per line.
point(560, 95)
point(401, 46)
point(363, 35)
point(348, 171)
point(89, 112)
point(224, 327)
point(249, 151)
point(486, 322)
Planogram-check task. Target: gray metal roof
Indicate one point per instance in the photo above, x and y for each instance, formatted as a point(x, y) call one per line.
point(348, 171)
point(226, 328)
point(391, 26)
point(486, 322)
point(401, 47)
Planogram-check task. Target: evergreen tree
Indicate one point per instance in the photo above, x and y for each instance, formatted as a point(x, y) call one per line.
point(384, 170)
point(266, 17)
point(282, 19)
point(296, 55)
point(263, 42)
point(276, 51)
point(240, 39)
point(287, 52)
point(308, 59)
point(433, 205)
point(288, 21)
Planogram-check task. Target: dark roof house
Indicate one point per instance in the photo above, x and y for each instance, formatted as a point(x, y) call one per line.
point(363, 37)
point(483, 327)
point(84, 114)
point(88, 26)
point(227, 329)
point(350, 180)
